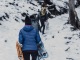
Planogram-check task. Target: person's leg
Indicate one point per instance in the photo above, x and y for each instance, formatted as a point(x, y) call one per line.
point(34, 55)
point(43, 28)
point(26, 55)
point(39, 29)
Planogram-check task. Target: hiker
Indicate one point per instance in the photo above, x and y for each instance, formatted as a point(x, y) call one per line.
point(35, 21)
point(43, 17)
point(28, 39)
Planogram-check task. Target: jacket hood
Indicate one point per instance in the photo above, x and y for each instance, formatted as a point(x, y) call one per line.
point(28, 28)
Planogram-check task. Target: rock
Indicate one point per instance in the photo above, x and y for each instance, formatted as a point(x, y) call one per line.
point(52, 36)
point(67, 42)
point(1, 18)
point(24, 14)
point(16, 4)
point(4, 17)
point(16, 20)
point(67, 49)
point(23, 20)
point(73, 28)
point(68, 38)
point(70, 58)
point(0, 24)
point(6, 5)
point(12, 3)
point(58, 31)
point(7, 15)
point(5, 41)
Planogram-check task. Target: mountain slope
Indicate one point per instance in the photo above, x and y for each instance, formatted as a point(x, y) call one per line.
point(60, 41)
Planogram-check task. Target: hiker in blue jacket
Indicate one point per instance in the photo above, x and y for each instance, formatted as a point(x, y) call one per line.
point(29, 37)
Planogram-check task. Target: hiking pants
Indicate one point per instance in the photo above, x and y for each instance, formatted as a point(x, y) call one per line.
point(26, 55)
point(43, 26)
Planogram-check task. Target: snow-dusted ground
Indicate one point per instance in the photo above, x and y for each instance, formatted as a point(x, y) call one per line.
point(65, 43)
point(60, 41)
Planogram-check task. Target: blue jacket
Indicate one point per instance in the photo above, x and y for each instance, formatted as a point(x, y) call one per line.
point(29, 37)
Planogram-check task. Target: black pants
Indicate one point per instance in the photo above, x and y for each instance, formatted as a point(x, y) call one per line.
point(39, 28)
point(43, 26)
point(26, 54)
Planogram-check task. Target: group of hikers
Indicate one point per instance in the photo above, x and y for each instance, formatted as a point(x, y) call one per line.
point(29, 37)
point(39, 20)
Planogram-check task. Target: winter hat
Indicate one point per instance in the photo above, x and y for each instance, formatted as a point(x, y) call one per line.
point(27, 20)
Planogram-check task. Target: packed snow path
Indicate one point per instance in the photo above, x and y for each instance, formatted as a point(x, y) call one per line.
point(60, 42)
point(54, 40)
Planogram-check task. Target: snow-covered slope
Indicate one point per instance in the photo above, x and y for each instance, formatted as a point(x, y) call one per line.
point(10, 26)
point(60, 41)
